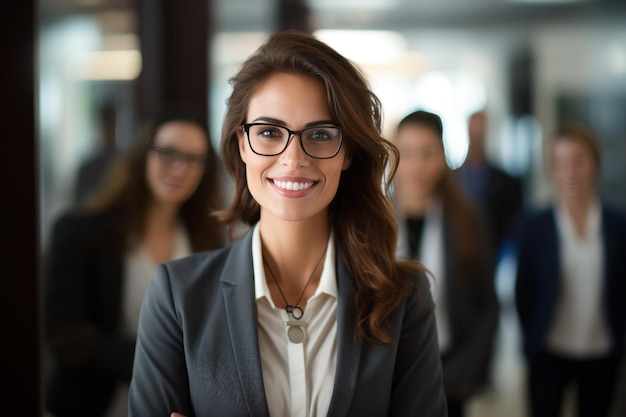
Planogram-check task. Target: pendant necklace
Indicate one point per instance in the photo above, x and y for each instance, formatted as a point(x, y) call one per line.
point(295, 330)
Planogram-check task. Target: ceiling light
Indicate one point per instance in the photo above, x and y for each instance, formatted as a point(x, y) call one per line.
point(364, 46)
point(109, 65)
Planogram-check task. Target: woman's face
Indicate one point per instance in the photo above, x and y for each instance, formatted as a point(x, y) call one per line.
point(422, 161)
point(573, 168)
point(291, 186)
point(175, 163)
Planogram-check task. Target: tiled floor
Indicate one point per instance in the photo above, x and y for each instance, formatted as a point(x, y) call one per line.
point(505, 396)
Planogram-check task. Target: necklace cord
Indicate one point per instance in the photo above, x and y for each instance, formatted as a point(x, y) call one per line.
point(288, 307)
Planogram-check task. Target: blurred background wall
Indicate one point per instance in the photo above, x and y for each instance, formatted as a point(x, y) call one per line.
point(529, 63)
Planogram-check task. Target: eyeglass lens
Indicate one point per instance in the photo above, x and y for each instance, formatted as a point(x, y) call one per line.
point(318, 141)
point(169, 156)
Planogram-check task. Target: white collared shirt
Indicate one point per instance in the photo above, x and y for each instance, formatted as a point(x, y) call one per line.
point(298, 377)
point(139, 267)
point(432, 257)
point(579, 326)
point(138, 270)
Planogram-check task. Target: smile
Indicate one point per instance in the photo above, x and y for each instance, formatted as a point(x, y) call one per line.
point(293, 186)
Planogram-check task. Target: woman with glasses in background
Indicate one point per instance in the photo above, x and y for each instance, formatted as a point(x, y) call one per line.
point(154, 207)
point(309, 313)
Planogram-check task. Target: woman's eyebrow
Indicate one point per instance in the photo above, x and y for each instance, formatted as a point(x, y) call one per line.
point(282, 122)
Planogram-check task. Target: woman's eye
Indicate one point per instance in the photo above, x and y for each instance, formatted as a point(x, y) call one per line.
point(168, 153)
point(270, 133)
point(318, 135)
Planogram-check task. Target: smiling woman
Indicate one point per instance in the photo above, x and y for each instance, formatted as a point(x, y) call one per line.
point(309, 313)
point(154, 207)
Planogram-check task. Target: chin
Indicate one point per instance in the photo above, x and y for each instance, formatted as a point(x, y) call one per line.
point(171, 199)
point(295, 215)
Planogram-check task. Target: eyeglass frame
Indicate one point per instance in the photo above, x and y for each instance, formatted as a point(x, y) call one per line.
point(190, 159)
point(246, 128)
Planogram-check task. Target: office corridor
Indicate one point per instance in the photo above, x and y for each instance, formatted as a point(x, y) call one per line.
point(506, 397)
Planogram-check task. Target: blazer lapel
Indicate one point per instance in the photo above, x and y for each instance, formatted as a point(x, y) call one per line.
point(238, 291)
point(348, 345)
point(550, 250)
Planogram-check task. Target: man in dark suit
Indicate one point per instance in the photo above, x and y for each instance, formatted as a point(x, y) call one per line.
point(92, 171)
point(498, 193)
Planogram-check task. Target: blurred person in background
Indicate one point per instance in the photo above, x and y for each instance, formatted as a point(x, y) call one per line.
point(497, 193)
point(571, 283)
point(154, 206)
point(443, 230)
point(92, 171)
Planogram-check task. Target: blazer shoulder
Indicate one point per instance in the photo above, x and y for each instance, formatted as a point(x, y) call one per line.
point(614, 213)
point(533, 222)
point(73, 219)
point(76, 226)
point(537, 216)
point(421, 283)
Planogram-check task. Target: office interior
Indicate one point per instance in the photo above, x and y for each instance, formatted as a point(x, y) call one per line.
point(529, 63)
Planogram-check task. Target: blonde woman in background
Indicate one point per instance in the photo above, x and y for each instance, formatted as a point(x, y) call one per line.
point(571, 283)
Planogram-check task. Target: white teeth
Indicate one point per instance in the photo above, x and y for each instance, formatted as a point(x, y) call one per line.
point(293, 186)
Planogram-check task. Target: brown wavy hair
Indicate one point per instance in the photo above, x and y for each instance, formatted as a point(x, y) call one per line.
point(125, 195)
point(458, 210)
point(361, 213)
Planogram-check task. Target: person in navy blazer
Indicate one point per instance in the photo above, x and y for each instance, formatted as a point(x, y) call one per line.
point(571, 283)
point(499, 194)
point(309, 313)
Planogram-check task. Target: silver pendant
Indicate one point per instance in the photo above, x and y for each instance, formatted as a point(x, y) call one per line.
point(295, 334)
point(295, 331)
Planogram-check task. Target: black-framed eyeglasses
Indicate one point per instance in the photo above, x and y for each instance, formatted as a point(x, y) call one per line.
point(320, 142)
point(170, 155)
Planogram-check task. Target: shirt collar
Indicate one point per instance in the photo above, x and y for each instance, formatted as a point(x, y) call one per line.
point(592, 226)
point(328, 280)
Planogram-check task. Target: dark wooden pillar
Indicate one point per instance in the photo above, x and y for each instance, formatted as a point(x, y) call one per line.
point(19, 247)
point(174, 38)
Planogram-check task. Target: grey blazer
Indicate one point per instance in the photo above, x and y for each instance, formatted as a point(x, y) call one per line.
point(197, 349)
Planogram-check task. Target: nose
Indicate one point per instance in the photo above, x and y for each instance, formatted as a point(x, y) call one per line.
point(178, 167)
point(294, 156)
point(570, 170)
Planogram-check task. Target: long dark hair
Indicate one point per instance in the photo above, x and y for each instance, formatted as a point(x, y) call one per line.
point(461, 214)
point(361, 214)
point(125, 196)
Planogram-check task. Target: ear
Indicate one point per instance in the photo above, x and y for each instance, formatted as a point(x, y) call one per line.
point(241, 138)
point(347, 160)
